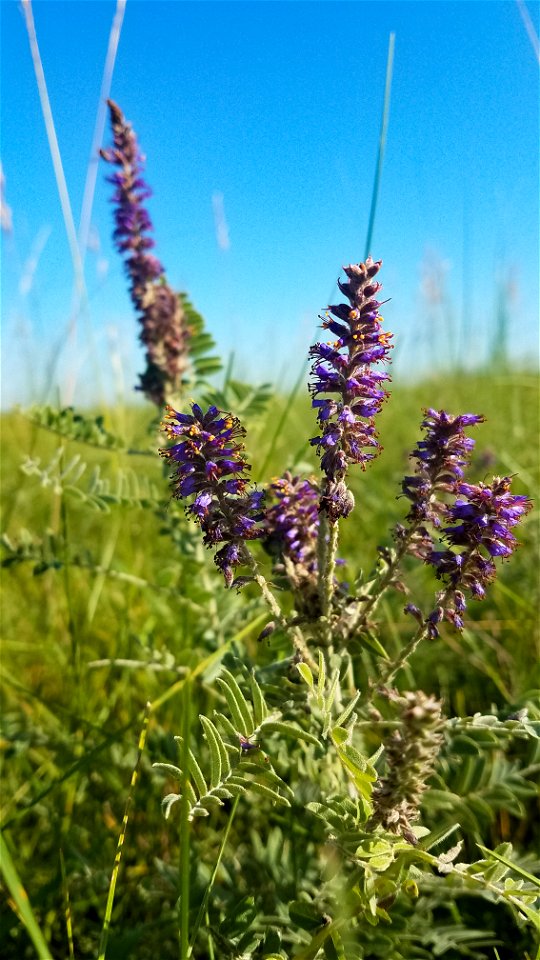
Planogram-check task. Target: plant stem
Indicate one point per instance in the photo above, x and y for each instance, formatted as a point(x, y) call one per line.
point(122, 837)
point(327, 574)
point(327, 541)
point(389, 672)
point(298, 637)
point(184, 825)
point(207, 892)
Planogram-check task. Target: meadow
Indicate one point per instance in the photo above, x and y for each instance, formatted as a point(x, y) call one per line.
point(270, 658)
point(110, 602)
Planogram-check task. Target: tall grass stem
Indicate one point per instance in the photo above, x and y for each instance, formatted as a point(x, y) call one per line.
point(101, 116)
point(21, 901)
point(284, 414)
point(54, 149)
point(382, 142)
point(67, 908)
point(184, 825)
point(114, 876)
point(208, 891)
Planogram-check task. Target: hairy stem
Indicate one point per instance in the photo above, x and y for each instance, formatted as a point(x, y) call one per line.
point(327, 572)
point(298, 637)
point(389, 671)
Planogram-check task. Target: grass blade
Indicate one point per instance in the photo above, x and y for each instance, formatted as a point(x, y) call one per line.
point(208, 891)
point(22, 902)
point(382, 142)
point(91, 173)
point(284, 414)
point(509, 863)
point(122, 837)
point(67, 908)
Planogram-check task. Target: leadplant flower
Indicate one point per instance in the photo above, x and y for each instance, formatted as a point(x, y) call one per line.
point(480, 521)
point(292, 521)
point(164, 331)
point(291, 529)
point(209, 465)
point(347, 391)
point(441, 457)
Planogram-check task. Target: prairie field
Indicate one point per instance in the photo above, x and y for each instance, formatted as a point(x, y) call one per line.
point(110, 602)
point(270, 660)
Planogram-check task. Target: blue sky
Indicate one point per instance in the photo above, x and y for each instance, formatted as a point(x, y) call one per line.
point(275, 107)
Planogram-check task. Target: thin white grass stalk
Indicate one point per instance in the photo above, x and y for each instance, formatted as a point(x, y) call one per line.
point(67, 908)
point(122, 837)
point(93, 163)
point(65, 203)
point(54, 148)
point(529, 27)
point(80, 303)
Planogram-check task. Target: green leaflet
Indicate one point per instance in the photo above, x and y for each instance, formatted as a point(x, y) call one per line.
point(290, 730)
point(259, 787)
point(237, 703)
point(260, 710)
point(213, 740)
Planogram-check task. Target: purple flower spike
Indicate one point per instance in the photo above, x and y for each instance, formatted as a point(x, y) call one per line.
point(291, 529)
point(343, 369)
point(164, 330)
point(291, 524)
point(204, 454)
point(440, 459)
point(481, 521)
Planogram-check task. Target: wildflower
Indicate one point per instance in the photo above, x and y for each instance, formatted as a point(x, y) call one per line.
point(343, 369)
point(411, 753)
point(208, 463)
point(291, 528)
point(440, 459)
point(164, 331)
point(292, 522)
point(480, 521)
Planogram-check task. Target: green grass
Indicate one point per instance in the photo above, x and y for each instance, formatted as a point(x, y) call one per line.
point(71, 727)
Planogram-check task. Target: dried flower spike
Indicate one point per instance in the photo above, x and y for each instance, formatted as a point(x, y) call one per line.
point(209, 464)
point(411, 753)
point(343, 369)
point(164, 333)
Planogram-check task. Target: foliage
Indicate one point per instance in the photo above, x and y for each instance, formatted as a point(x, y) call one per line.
point(297, 875)
point(362, 778)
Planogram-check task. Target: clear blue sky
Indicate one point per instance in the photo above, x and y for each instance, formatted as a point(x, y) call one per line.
point(276, 106)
